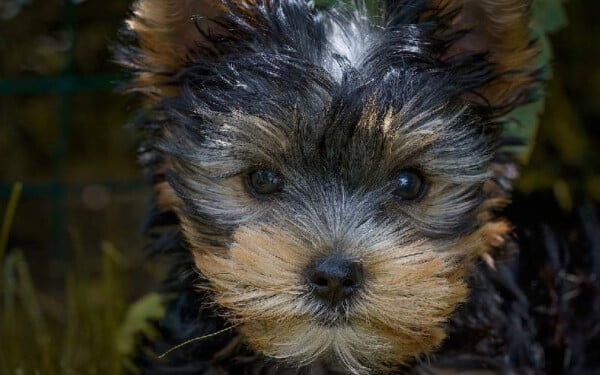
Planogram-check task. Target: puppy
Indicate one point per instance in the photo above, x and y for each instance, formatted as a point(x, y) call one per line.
point(329, 175)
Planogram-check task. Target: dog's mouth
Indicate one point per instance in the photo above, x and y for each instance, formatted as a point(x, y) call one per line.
point(331, 317)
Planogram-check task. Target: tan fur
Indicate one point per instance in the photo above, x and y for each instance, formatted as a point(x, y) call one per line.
point(500, 28)
point(496, 230)
point(167, 35)
point(166, 199)
point(169, 38)
point(411, 286)
point(409, 293)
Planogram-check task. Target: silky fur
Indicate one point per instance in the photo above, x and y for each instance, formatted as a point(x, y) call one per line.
point(397, 315)
point(413, 254)
point(337, 104)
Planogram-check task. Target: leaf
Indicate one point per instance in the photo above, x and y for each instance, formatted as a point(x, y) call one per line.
point(138, 321)
point(547, 16)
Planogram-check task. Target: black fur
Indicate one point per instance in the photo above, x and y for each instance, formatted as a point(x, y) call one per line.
point(537, 313)
point(525, 317)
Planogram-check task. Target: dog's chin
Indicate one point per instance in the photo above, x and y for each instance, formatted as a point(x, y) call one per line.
point(338, 340)
point(303, 342)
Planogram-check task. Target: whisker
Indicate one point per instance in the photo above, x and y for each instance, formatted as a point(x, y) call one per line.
point(199, 338)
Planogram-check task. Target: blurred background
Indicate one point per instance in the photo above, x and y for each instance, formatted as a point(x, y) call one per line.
point(73, 274)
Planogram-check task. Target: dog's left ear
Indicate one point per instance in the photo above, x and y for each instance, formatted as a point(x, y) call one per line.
point(494, 31)
point(490, 52)
point(492, 44)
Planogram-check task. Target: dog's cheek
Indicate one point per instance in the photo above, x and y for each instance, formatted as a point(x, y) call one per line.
point(409, 301)
point(212, 210)
point(258, 275)
point(257, 282)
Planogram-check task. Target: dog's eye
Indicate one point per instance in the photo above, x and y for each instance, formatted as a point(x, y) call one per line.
point(264, 181)
point(409, 185)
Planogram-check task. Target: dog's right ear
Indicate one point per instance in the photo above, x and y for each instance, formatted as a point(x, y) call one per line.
point(168, 35)
point(160, 38)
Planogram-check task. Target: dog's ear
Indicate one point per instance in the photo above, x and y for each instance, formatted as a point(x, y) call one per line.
point(162, 37)
point(496, 31)
point(491, 53)
point(168, 35)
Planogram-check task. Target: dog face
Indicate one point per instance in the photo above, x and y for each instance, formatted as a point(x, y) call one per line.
point(333, 177)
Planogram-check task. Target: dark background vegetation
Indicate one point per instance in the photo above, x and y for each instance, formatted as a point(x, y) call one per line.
point(74, 260)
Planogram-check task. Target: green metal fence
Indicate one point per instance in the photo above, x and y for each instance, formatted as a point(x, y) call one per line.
point(66, 85)
point(559, 147)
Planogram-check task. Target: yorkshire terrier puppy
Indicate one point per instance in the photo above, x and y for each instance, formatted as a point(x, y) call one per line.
point(329, 178)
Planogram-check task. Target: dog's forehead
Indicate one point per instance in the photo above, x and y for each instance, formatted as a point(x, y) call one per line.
point(357, 116)
point(349, 136)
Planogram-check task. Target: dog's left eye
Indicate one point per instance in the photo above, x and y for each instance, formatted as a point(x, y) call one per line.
point(409, 185)
point(265, 181)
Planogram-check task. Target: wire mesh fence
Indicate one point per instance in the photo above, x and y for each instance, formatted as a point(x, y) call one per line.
point(62, 131)
point(62, 120)
point(62, 135)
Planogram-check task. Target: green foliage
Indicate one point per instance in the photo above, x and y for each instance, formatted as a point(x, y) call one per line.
point(140, 314)
point(565, 156)
point(92, 330)
point(548, 16)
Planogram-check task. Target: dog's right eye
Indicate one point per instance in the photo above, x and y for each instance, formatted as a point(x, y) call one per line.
point(410, 185)
point(264, 181)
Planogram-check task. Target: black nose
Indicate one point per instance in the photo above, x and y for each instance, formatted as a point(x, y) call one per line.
point(334, 279)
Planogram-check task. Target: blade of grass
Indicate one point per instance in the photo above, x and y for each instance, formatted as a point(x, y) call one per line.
point(29, 300)
point(10, 354)
point(75, 329)
point(114, 266)
point(8, 281)
point(9, 215)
